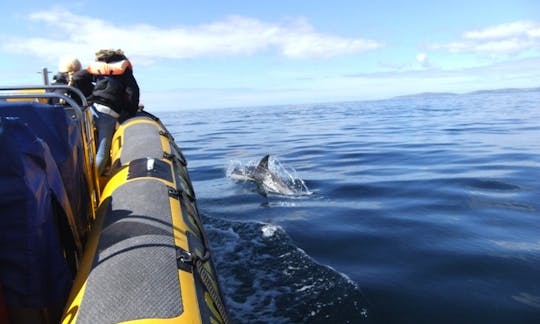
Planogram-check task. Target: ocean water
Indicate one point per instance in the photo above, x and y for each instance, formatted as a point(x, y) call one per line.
point(423, 209)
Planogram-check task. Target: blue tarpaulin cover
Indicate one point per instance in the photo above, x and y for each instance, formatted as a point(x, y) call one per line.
point(41, 180)
point(51, 124)
point(33, 271)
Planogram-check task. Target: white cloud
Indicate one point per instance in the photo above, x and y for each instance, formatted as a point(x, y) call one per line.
point(510, 38)
point(519, 73)
point(235, 35)
point(421, 57)
point(503, 31)
point(423, 60)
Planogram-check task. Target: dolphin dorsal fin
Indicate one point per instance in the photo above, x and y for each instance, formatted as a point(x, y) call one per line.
point(264, 162)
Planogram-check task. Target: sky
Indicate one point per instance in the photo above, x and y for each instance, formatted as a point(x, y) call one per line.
point(218, 54)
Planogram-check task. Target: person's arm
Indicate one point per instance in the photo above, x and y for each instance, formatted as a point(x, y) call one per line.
point(132, 93)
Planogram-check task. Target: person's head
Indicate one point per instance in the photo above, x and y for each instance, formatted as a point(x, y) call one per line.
point(110, 55)
point(69, 64)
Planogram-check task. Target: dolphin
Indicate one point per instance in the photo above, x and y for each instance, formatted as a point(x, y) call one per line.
point(266, 180)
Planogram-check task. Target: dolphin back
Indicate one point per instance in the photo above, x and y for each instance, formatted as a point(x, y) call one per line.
point(267, 180)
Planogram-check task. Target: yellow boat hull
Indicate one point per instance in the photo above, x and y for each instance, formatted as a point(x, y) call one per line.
point(147, 258)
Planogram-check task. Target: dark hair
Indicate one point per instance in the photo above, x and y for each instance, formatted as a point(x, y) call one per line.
point(110, 55)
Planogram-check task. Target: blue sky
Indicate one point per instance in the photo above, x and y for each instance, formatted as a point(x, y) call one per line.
point(212, 54)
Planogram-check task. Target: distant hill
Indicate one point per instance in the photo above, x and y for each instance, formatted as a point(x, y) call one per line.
point(507, 90)
point(447, 94)
point(426, 95)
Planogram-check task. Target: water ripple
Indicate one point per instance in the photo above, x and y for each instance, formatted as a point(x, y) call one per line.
point(425, 209)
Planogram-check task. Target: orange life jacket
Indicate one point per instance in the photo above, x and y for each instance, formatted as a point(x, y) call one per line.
point(103, 68)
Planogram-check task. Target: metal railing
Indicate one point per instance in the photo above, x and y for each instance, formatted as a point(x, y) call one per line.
point(82, 117)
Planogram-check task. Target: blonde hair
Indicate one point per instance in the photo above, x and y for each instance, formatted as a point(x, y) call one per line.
point(69, 64)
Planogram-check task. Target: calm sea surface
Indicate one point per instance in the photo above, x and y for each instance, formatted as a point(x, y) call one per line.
point(424, 209)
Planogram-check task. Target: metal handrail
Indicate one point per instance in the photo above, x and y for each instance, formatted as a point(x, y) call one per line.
point(72, 103)
point(49, 87)
point(81, 116)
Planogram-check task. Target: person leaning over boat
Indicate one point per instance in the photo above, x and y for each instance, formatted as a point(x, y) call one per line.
point(66, 68)
point(115, 97)
point(70, 73)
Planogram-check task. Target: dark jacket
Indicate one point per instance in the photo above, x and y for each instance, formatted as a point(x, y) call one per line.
point(118, 92)
point(80, 79)
point(58, 79)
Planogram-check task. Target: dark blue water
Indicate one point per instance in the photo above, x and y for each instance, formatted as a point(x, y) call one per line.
point(424, 209)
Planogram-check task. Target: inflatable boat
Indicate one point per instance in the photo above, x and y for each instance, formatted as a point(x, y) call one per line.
point(76, 247)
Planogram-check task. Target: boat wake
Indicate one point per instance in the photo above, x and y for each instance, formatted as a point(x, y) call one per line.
point(267, 279)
